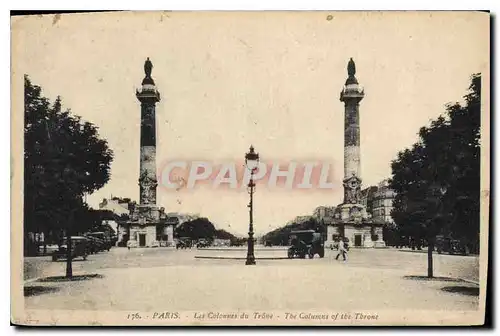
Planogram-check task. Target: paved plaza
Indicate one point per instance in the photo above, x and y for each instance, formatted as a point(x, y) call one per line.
point(161, 278)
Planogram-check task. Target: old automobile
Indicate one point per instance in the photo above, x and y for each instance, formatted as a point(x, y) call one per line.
point(79, 248)
point(203, 243)
point(183, 243)
point(306, 243)
point(237, 242)
point(451, 246)
point(47, 249)
point(105, 242)
point(93, 244)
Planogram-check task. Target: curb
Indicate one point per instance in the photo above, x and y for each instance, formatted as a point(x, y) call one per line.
point(469, 281)
point(31, 280)
point(436, 253)
point(240, 258)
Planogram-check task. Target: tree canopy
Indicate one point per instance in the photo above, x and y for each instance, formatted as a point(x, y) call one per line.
point(201, 228)
point(64, 158)
point(437, 179)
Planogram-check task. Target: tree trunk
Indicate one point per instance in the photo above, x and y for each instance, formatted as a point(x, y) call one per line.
point(45, 237)
point(69, 265)
point(430, 266)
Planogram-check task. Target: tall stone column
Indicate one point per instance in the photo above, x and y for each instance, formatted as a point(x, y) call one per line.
point(148, 96)
point(351, 95)
point(146, 217)
point(351, 214)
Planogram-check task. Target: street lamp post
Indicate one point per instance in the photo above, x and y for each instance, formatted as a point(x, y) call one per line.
point(251, 162)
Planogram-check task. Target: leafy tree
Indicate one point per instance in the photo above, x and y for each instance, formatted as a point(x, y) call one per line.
point(196, 229)
point(410, 190)
point(64, 158)
point(223, 234)
point(437, 180)
point(91, 220)
point(201, 228)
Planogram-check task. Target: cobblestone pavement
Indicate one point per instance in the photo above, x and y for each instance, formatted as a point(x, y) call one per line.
point(146, 279)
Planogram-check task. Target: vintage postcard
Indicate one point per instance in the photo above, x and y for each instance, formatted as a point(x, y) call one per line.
point(250, 168)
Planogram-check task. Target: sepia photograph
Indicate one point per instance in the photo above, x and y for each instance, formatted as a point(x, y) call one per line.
point(266, 168)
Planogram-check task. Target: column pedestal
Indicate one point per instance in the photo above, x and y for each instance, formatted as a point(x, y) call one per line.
point(169, 231)
point(379, 231)
point(368, 242)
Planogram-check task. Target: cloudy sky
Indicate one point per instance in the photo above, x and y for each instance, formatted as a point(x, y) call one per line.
point(273, 80)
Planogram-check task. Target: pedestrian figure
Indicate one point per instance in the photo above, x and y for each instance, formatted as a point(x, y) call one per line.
point(342, 250)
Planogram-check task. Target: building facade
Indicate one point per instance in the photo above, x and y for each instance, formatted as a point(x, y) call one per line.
point(324, 214)
point(382, 203)
point(367, 195)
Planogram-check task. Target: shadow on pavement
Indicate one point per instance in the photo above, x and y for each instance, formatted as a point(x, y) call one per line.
point(436, 253)
point(72, 260)
point(425, 278)
point(73, 278)
point(38, 290)
point(472, 291)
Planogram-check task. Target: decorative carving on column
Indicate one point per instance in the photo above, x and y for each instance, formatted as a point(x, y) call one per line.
point(148, 189)
point(352, 190)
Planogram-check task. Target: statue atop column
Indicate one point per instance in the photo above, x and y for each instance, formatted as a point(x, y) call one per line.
point(148, 67)
point(351, 72)
point(351, 67)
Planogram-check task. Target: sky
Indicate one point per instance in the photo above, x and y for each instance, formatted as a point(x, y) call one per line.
point(229, 80)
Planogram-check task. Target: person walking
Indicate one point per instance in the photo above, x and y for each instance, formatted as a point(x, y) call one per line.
point(342, 250)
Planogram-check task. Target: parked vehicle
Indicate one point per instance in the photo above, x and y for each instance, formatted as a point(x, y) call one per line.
point(237, 242)
point(49, 248)
point(184, 243)
point(306, 242)
point(93, 244)
point(203, 243)
point(104, 242)
point(451, 246)
point(79, 248)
